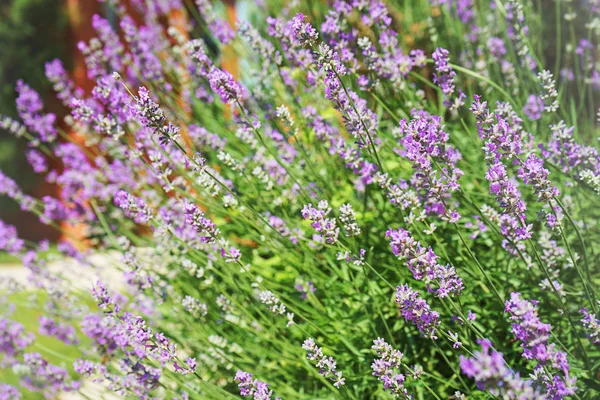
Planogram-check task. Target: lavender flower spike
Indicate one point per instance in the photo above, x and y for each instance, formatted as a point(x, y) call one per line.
point(491, 374)
point(414, 309)
point(327, 365)
point(384, 368)
point(591, 324)
point(552, 371)
point(423, 264)
point(252, 387)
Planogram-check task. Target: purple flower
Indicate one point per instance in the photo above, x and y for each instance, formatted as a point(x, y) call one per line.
point(426, 145)
point(533, 108)
point(578, 160)
point(506, 191)
point(222, 83)
point(327, 365)
point(423, 264)
point(491, 374)
point(62, 84)
point(534, 335)
point(13, 338)
point(415, 309)
point(385, 368)
point(218, 27)
point(8, 392)
point(133, 206)
point(533, 173)
point(444, 76)
point(250, 387)
point(496, 47)
point(189, 366)
point(37, 161)
point(87, 368)
point(323, 225)
point(197, 219)
point(43, 377)
point(305, 288)
point(29, 105)
point(303, 31)
point(9, 239)
point(62, 332)
point(591, 325)
point(147, 111)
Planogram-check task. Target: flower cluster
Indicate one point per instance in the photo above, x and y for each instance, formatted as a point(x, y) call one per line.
point(488, 368)
point(320, 221)
point(195, 140)
point(385, 367)
point(534, 335)
point(591, 325)
point(275, 305)
point(250, 387)
point(327, 365)
point(415, 309)
point(426, 146)
point(444, 77)
point(423, 264)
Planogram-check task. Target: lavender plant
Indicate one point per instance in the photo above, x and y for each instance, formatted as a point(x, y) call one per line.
point(384, 200)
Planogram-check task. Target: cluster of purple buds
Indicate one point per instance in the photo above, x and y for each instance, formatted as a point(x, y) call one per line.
point(578, 160)
point(327, 365)
point(506, 191)
point(147, 111)
point(222, 83)
point(444, 78)
point(500, 139)
point(533, 173)
point(189, 366)
point(279, 225)
point(402, 196)
point(423, 264)
point(8, 392)
point(13, 338)
point(327, 227)
point(105, 300)
point(303, 31)
point(385, 368)
point(62, 332)
point(29, 107)
point(491, 374)
point(197, 219)
point(216, 25)
point(254, 388)
point(9, 239)
point(591, 325)
point(533, 108)
point(503, 142)
point(41, 376)
point(425, 144)
point(133, 206)
point(415, 310)
point(305, 288)
point(552, 371)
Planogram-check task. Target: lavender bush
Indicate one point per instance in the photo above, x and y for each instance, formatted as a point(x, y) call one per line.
point(388, 200)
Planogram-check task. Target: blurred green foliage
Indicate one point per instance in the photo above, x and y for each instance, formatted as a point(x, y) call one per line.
point(32, 32)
